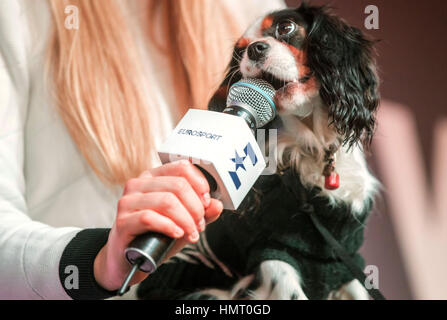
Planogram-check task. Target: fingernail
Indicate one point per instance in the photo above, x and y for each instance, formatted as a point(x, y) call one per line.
point(206, 199)
point(194, 236)
point(178, 232)
point(202, 225)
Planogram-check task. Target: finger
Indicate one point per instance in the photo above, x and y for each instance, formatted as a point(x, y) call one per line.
point(184, 168)
point(145, 174)
point(139, 222)
point(176, 185)
point(133, 184)
point(165, 203)
point(212, 213)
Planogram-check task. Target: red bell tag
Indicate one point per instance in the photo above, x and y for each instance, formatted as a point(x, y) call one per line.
point(332, 181)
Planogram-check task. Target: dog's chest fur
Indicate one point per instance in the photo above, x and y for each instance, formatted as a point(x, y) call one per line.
point(302, 145)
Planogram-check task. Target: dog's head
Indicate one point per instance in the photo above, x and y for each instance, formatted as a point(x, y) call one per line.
point(312, 58)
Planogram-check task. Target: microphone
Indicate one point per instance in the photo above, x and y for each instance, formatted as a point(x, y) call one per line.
point(252, 99)
point(223, 146)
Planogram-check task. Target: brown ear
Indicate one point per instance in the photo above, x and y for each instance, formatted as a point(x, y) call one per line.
point(219, 99)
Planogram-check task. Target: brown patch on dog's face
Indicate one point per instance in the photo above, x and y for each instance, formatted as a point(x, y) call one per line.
point(242, 43)
point(266, 23)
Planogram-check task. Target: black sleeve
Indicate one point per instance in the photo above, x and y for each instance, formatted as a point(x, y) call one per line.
point(76, 265)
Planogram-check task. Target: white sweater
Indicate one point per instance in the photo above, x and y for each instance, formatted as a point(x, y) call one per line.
point(48, 193)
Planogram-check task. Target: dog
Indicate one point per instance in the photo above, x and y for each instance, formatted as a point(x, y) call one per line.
point(326, 84)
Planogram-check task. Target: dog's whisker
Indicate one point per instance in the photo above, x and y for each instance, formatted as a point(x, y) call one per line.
point(237, 54)
point(237, 57)
point(232, 70)
point(232, 75)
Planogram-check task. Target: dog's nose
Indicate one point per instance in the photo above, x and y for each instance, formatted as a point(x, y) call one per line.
point(257, 50)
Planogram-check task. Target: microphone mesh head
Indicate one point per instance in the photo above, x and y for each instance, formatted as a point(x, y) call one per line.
point(258, 95)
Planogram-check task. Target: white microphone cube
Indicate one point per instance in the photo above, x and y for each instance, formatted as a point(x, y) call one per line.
point(221, 144)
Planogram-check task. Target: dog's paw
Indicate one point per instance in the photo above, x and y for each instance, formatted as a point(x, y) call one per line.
point(350, 291)
point(273, 280)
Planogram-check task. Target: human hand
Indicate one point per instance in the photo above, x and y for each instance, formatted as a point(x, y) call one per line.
point(172, 199)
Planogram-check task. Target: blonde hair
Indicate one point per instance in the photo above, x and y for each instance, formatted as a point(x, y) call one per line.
point(97, 77)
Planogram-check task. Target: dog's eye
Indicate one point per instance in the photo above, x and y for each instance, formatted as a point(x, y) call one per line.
point(285, 29)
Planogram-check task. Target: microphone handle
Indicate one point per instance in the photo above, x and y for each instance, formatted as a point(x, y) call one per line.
point(148, 250)
point(243, 113)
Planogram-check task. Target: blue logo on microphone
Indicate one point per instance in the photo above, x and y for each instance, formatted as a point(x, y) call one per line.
point(239, 163)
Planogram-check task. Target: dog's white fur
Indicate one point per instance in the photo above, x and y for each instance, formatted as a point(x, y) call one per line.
point(280, 281)
point(353, 290)
point(279, 62)
point(308, 143)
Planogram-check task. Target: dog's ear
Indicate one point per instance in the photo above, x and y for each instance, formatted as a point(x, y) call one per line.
point(341, 58)
point(219, 99)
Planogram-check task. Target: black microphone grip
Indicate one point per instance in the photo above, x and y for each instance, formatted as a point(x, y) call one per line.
point(148, 250)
